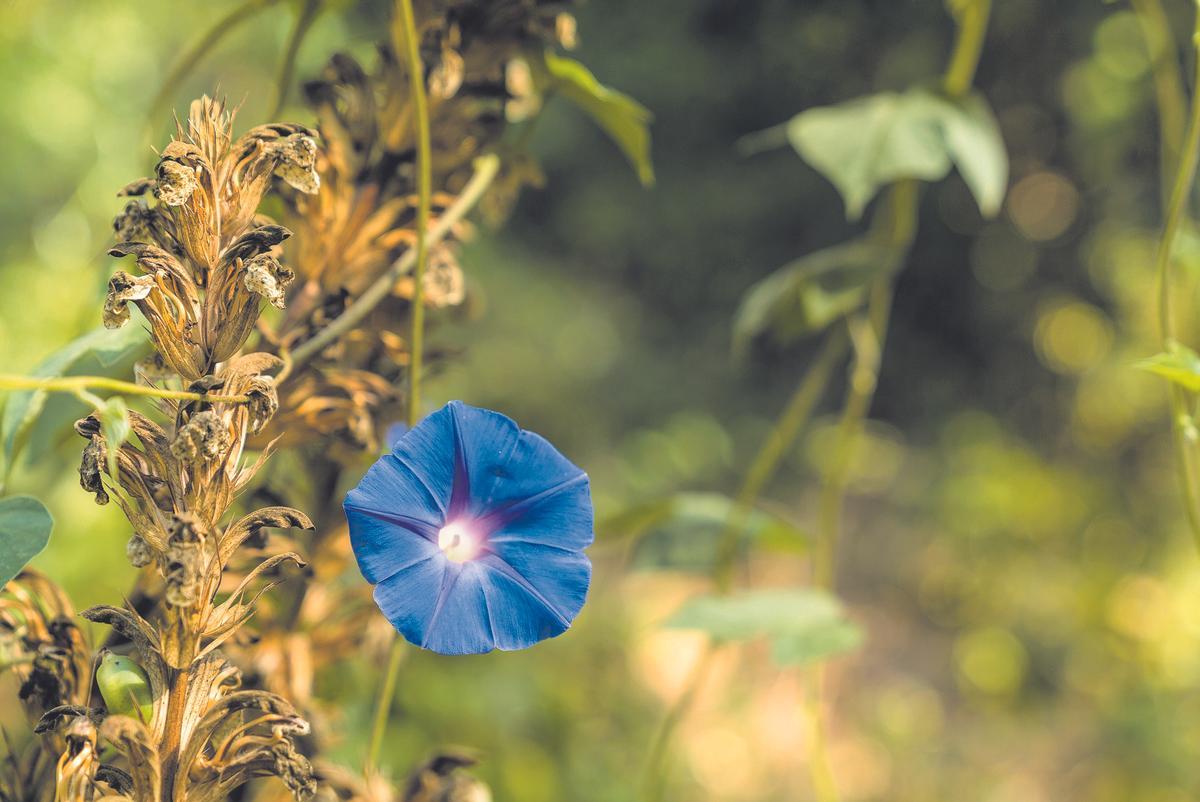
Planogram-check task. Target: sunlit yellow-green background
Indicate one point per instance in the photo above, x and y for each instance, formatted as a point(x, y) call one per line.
point(1015, 548)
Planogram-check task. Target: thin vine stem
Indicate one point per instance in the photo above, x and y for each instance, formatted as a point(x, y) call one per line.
point(81, 384)
point(781, 437)
point(287, 67)
point(407, 41)
point(897, 230)
point(1182, 426)
point(193, 55)
point(1170, 96)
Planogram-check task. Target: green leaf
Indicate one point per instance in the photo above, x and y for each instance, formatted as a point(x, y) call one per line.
point(808, 294)
point(25, 526)
point(682, 530)
point(114, 424)
point(100, 351)
point(820, 642)
point(626, 121)
point(1179, 365)
point(973, 137)
point(868, 143)
point(803, 625)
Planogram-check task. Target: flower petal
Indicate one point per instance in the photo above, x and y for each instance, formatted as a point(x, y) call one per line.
point(408, 597)
point(460, 622)
point(505, 465)
point(560, 517)
point(537, 600)
point(385, 545)
point(555, 579)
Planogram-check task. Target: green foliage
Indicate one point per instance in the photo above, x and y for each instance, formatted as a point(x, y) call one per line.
point(810, 293)
point(100, 352)
point(681, 530)
point(625, 120)
point(125, 687)
point(802, 625)
point(25, 526)
point(865, 144)
point(1179, 365)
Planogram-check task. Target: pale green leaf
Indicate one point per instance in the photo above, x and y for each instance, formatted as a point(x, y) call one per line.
point(975, 143)
point(626, 121)
point(808, 294)
point(1180, 365)
point(25, 526)
point(868, 143)
point(100, 351)
point(803, 625)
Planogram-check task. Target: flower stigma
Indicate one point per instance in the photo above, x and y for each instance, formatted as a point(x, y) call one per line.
point(458, 543)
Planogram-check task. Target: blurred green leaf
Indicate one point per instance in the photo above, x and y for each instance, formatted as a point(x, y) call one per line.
point(25, 526)
point(975, 143)
point(100, 351)
point(114, 423)
point(681, 530)
point(624, 119)
point(808, 294)
point(868, 143)
point(1179, 365)
point(802, 624)
point(829, 639)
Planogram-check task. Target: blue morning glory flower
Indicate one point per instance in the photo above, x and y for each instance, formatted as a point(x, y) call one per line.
point(472, 531)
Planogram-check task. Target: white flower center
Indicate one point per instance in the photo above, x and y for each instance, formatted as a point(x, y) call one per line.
point(458, 543)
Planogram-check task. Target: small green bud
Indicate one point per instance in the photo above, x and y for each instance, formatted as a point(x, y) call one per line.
point(125, 687)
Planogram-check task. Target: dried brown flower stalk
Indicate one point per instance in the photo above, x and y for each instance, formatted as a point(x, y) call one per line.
point(208, 264)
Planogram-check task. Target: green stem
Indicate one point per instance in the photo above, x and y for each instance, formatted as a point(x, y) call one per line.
point(287, 67)
point(79, 384)
point(1170, 95)
point(897, 230)
point(781, 437)
point(654, 780)
point(208, 40)
point(383, 706)
point(407, 41)
point(1176, 212)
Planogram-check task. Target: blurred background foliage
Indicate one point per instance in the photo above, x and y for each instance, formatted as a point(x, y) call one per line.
point(1015, 548)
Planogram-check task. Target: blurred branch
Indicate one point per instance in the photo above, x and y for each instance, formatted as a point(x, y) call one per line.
point(192, 56)
point(287, 68)
point(1182, 424)
point(1170, 96)
point(486, 168)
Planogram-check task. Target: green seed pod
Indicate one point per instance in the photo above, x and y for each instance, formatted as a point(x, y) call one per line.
point(125, 687)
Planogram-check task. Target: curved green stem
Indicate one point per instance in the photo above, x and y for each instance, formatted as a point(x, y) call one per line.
point(781, 437)
point(1181, 419)
point(1170, 96)
point(287, 67)
point(192, 56)
point(81, 384)
point(407, 41)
